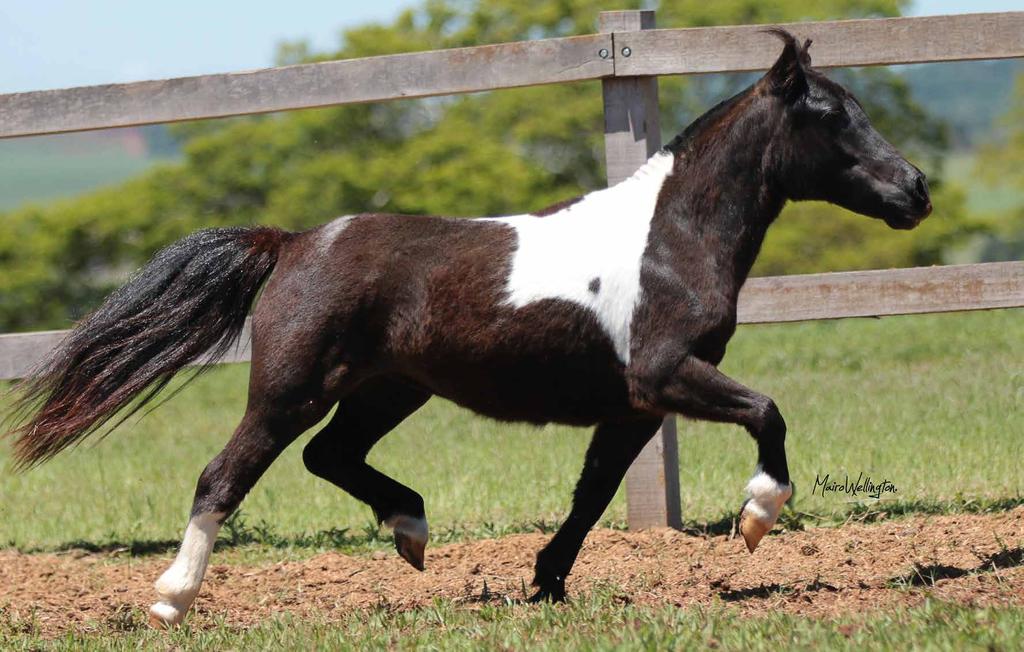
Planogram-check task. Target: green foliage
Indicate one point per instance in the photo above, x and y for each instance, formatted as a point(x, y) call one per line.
point(481, 154)
point(1001, 165)
point(1004, 160)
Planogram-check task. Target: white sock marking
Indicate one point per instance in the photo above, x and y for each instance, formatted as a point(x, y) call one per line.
point(602, 236)
point(766, 497)
point(178, 586)
point(412, 527)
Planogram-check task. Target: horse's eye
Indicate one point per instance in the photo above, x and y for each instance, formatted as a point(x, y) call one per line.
point(835, 118)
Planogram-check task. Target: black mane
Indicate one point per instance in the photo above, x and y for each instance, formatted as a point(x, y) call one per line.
point(683, 140)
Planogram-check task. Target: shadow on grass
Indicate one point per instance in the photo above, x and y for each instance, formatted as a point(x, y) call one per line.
point(771, 590)
point(237, 532)
point(928, 575)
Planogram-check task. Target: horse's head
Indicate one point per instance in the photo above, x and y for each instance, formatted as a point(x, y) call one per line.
point(827, 149)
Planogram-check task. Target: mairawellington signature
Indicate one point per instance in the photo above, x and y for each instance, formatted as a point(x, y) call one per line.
point(861, 486)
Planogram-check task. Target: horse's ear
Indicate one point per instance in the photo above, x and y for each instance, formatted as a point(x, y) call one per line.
point(788, 75)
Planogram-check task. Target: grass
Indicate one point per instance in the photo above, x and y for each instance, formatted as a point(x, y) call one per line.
point(600, 621)
point(929, 403)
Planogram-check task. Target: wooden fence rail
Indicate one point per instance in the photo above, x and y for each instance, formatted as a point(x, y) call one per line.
point(764, 300)
point(490, 67)
point(627, 55)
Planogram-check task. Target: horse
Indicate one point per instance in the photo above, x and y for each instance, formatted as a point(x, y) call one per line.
point(612, 309)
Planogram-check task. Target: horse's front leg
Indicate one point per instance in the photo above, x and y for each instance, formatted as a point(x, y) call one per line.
point(698, 389)
point(612, 449)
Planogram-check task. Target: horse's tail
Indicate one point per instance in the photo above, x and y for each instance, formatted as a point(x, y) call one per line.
point(191, 299)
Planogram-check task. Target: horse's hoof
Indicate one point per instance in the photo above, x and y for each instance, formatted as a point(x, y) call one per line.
point(410, 549)
point(411, 534)
point(544, 595)
point(548, 592)
point(753, 529)
point(163, 615)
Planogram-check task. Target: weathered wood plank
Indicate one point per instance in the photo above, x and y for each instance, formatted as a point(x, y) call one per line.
point(631, 135)
point(509, 65)
point(865, 42)
point(773, 299)
point(877, 293)
point(20, 353)
point(632, 130)
point(422, 74)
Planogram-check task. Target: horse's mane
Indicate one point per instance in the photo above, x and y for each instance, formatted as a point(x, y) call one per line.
point(711, 117)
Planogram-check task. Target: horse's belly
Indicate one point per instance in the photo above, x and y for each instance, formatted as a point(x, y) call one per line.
point(553, 390)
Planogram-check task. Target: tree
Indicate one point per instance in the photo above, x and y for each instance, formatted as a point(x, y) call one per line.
point(1002, 164)
point(487, 153)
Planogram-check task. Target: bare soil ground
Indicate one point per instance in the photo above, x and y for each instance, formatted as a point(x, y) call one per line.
point(965, 558)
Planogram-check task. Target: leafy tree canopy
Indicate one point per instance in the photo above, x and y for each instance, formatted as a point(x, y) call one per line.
point(480, 154)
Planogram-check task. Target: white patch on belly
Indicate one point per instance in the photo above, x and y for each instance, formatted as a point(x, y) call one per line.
point(602, 236)
point(179, 585)
point(330, 232)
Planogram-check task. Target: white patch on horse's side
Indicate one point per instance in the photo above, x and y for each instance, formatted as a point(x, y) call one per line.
point(178, 586)
point(767, 496)
point(329, 233)
point(603, 236)
point(412, 527)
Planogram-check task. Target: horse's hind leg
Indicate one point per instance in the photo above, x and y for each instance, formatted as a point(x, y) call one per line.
point(265, 431)
point(338, 454)
point(611, 451)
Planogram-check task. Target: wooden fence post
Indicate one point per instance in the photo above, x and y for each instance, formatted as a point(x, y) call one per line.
point(632, 134)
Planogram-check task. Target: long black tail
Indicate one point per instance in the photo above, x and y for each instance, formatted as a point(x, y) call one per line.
point(190, 300)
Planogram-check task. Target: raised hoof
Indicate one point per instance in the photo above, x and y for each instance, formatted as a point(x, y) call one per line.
point(752, 528)
point(163, 615)
point(410, 549)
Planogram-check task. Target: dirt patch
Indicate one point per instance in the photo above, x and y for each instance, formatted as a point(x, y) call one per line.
point(965, 558)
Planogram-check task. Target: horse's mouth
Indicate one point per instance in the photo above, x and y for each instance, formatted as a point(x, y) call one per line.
point(907, 221)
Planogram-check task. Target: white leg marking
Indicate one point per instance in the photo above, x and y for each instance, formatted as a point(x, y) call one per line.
point(329, 233)
point(766, 498)
point(178, 586)
point(603, 236)
point(412, 527)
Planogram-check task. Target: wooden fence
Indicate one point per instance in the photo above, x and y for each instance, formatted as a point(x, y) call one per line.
point(627, 56)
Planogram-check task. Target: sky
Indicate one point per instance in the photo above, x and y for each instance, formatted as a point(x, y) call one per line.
point(61, 43)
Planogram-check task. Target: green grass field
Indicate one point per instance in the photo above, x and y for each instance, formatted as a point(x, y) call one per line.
point(597, 622)
point(931, 403)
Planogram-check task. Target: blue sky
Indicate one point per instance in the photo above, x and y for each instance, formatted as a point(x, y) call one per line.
point(60, 43)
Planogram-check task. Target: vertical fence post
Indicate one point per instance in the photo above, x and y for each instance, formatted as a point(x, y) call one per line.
point(632, 134)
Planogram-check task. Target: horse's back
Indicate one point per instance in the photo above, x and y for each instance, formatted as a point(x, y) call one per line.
point(427, 298)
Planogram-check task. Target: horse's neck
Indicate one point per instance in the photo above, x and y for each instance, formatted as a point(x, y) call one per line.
point(716, 209)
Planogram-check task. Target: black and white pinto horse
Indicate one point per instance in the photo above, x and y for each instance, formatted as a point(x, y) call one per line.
point(611, 309)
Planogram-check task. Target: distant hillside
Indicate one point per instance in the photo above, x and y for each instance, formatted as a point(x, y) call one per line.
point(43, 168)
point(969, 95)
